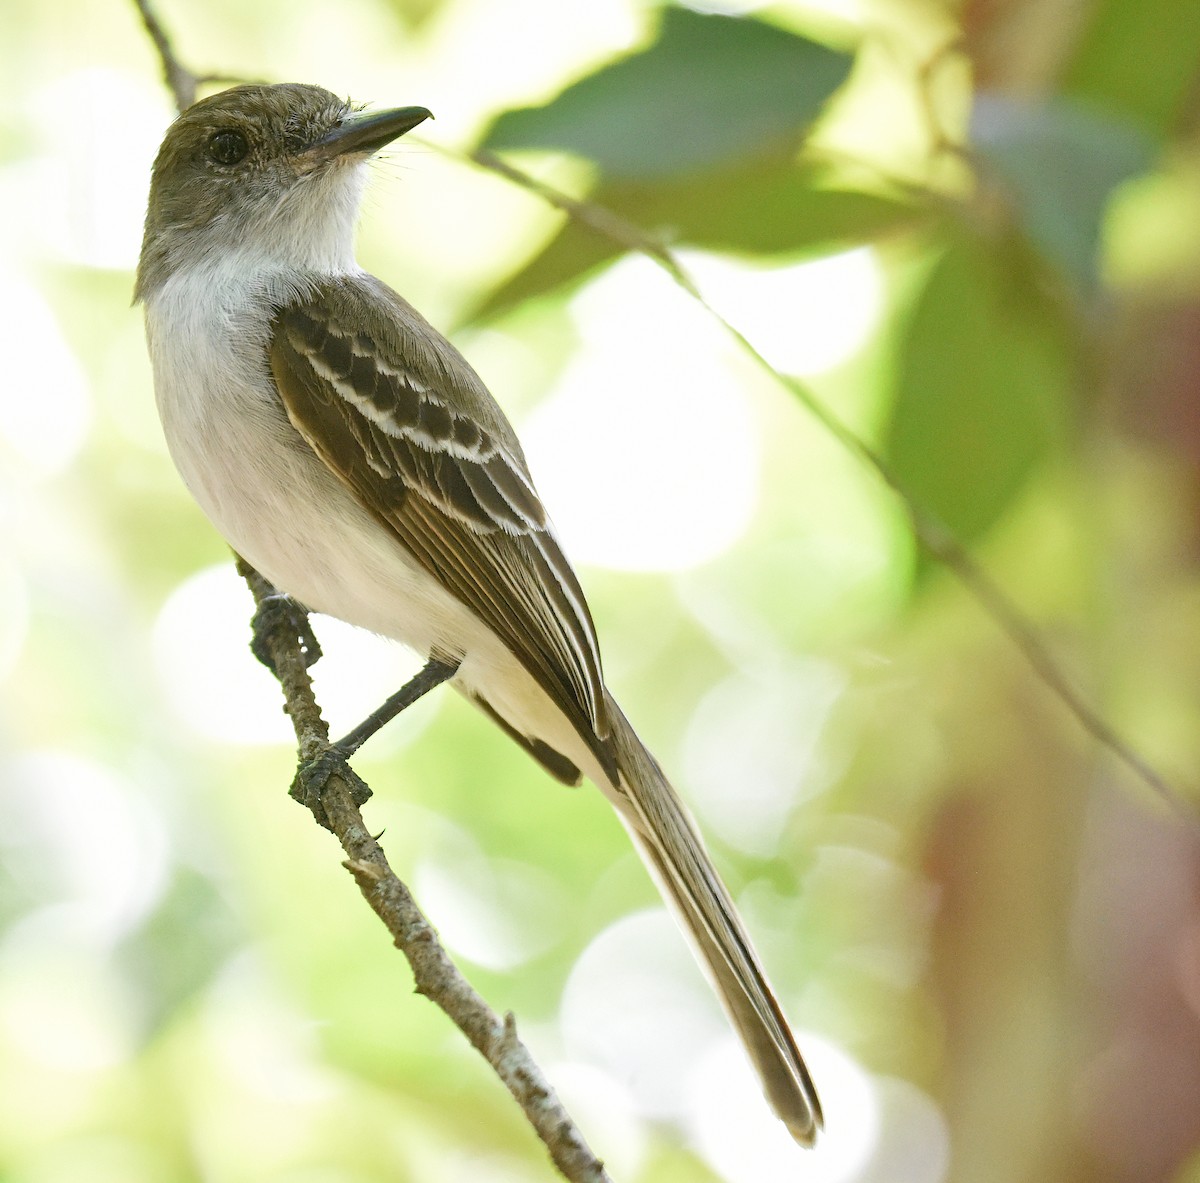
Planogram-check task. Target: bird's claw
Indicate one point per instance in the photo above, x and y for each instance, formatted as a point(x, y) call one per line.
point(280, 613)
point(313, 776)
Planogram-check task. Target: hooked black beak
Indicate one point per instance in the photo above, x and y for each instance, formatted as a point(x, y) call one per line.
point(367, 132)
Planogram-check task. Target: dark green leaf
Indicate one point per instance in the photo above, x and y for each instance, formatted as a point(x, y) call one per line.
point(1061, 161)
point(571, 254)
point(710, 89)
point(766, 206)
point(983, 376)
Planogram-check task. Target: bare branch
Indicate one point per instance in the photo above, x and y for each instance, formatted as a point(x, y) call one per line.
point(937, 540)
point(282, 638)
point(181, 81)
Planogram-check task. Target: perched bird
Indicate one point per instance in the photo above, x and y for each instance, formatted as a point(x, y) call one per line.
point(347, 450)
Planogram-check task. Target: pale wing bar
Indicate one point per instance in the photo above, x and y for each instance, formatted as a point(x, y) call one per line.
point(452, 493)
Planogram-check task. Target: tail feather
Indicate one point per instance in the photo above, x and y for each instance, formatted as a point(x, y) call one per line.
point(671, 846)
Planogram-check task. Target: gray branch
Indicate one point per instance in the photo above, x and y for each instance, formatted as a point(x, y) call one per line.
point(283, 640)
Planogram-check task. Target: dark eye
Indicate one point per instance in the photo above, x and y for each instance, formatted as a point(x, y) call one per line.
point(228, 147)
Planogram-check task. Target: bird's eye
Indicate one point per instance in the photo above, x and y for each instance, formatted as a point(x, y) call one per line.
point(228, 147)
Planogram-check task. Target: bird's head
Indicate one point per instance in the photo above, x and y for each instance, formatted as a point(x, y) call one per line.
point(273, 170)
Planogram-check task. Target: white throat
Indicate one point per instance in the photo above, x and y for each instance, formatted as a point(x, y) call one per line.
point(305, 231)
point(311, 227)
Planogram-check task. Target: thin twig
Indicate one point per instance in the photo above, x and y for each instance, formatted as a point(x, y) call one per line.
point(937, 540)
point(181, 81)
point(283, 642)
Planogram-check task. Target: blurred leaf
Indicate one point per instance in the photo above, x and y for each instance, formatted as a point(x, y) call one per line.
point(168, 968)
point(570, 255)
point(765, 206)
point(982, 377)
point(710, 89)
point(1139, 58)
point(1062, 160)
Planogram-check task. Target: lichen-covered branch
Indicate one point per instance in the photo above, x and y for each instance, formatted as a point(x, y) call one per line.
point(282, 639)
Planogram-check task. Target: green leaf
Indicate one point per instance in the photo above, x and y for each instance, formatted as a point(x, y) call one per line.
point(167, 970)
point(983, 375)
point(574, 252)
point(765, 206)
point(1061, 161)
point(710, 89)
point(1139, 59)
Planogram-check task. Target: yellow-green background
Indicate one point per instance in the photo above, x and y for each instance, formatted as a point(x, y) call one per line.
point(986, 930)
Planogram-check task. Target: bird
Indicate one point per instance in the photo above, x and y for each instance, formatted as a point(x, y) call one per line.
point(348, 451)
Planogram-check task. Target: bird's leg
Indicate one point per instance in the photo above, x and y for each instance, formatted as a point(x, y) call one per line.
point(312, 775)
point(429, 678)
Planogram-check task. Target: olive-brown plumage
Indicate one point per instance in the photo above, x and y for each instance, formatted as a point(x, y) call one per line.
point(350, 453)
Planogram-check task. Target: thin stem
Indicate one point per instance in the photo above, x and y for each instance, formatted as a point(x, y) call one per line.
point(937, 540)
point(181, 81)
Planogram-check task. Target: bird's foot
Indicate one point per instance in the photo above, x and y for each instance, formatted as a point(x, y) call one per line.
point(279, 614)
point(313, 777)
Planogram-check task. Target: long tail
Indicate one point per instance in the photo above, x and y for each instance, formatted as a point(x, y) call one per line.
point(671, 846)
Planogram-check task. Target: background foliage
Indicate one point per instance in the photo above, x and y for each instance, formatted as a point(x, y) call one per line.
point(973, 230)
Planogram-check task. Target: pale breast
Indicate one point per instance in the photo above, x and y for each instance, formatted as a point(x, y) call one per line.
point(260, 484)
point(278, 505)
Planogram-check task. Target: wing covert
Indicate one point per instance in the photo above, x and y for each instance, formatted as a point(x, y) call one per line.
point(395, 413)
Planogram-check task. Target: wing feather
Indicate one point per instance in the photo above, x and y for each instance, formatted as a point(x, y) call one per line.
point(406, 425)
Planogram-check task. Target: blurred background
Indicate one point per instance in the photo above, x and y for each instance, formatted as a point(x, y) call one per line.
point(972, 230)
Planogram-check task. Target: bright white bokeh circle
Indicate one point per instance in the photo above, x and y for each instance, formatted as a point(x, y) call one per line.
point(201, 648)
